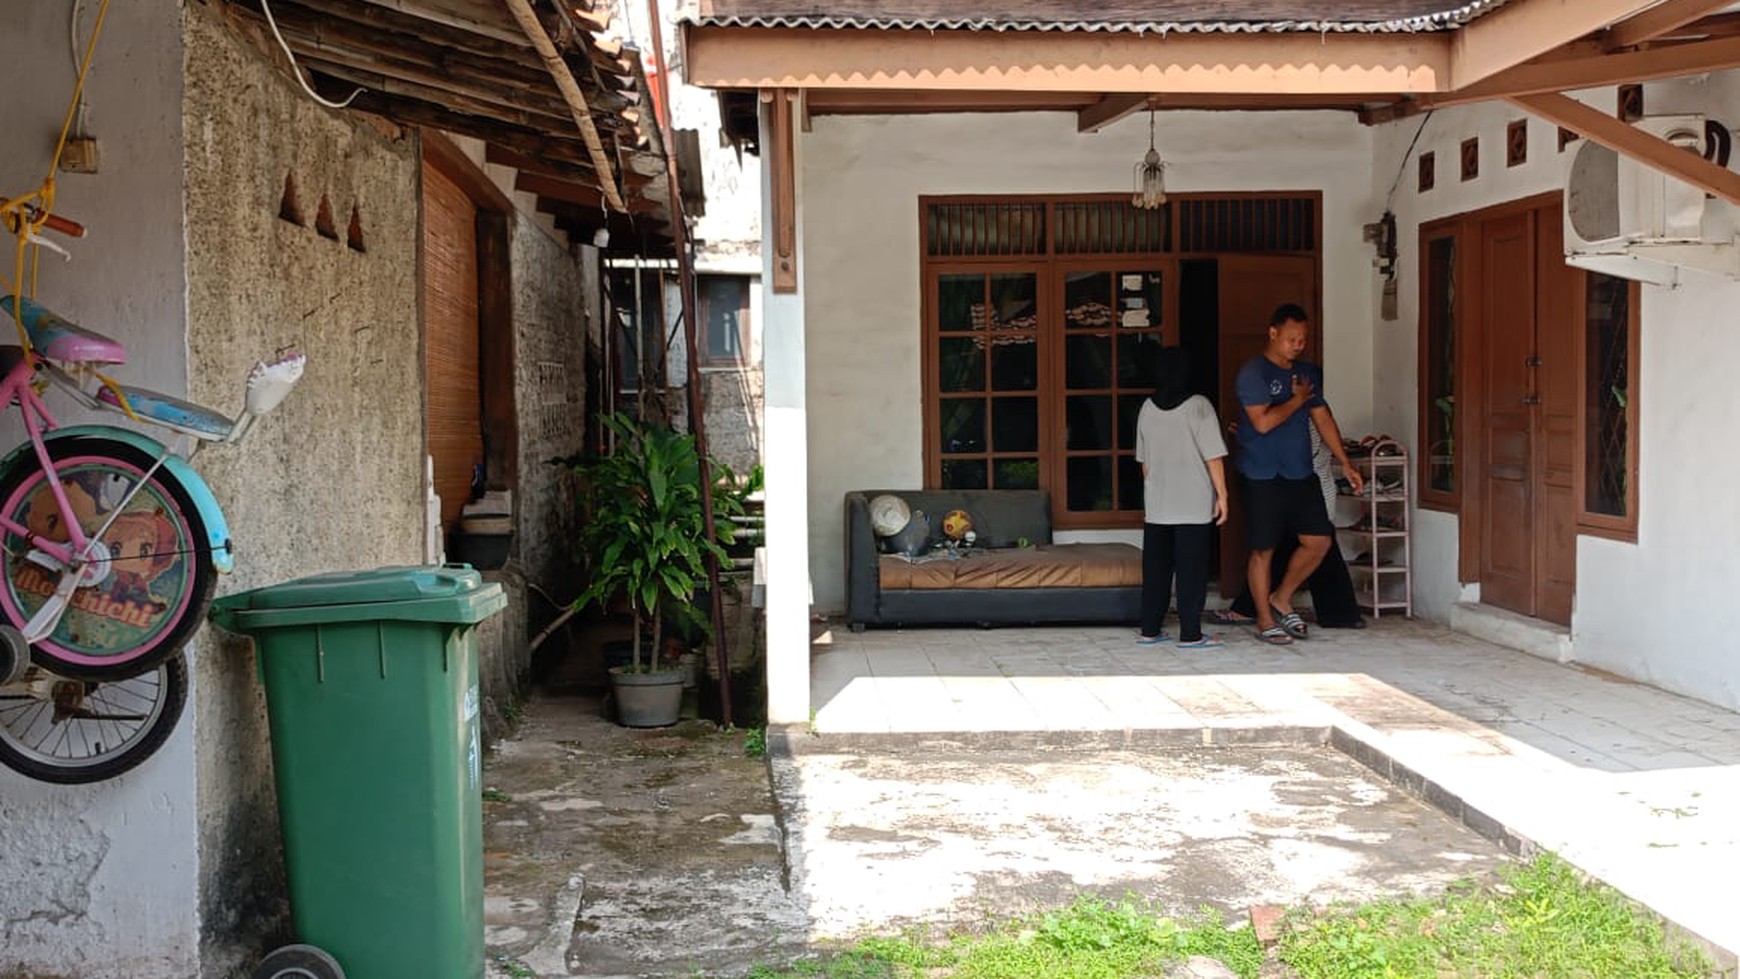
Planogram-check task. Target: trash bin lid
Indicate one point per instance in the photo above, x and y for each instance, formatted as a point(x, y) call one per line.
point(424, 593)
point(402, 584)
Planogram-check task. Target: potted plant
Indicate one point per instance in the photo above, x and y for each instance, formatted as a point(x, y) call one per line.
point(643, 538)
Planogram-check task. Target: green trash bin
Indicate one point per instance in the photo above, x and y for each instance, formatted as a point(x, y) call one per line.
point(371, 691)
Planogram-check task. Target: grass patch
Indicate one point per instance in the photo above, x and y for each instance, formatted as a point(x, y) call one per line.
point(1538, 921)
point(1091, 939)
point(1541, 920)
point(755, 742)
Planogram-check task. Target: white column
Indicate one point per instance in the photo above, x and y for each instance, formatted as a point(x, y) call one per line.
point(785, 464)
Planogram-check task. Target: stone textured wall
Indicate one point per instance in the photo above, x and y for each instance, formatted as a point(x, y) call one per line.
point(330, 481)
point(551, 313)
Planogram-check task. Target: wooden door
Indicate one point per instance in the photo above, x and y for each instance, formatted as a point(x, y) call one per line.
point(1555, 363)
point(451, 361)
point(1528, 538)
point(1251, 287)
point(1507, 565)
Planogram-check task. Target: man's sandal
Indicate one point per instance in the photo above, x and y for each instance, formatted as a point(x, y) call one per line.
point(1292, 623)
point(1275, 636)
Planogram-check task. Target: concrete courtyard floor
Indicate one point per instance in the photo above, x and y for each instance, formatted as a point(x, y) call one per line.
point(954, 775)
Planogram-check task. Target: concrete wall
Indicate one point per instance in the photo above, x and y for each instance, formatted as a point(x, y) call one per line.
point(332, 479)
point(861, 181)
point(99, 880)
point(1646, 610)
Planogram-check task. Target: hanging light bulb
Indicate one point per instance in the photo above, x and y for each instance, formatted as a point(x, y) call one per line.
point(1150, 175)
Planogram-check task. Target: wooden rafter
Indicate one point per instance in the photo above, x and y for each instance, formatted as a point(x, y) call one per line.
point(1569, 74)
point(1662, 19)
point(479, 17)
point(1046, 61)
point(1626, 139)
point(1108, 110)
point(570, 89)
point(1525, 29)
point(583, 194)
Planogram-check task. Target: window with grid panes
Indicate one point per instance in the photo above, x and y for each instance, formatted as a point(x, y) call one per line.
point(987, 379)
point(1112, 322)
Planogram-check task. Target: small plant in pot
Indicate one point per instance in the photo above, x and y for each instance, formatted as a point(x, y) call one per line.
point(643, 538)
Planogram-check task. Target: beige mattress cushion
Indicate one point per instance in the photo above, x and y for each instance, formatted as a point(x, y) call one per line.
point(1045, 566)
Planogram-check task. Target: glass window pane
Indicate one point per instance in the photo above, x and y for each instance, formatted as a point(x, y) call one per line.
point(1608, 391)
point(1129, 409)
point(1087, 298)
point(960, 302)
point(1015, 363)
point(1139, 300)
point(1016, 473)
point(1015, 425)
point(724, 305)
point(1138, 354)
point(1090, 421)
point(1014, 301)
point(1129, 483)
point(1090, 483)
point(963, 425)
point(1440, 379)
point(963, 474)
point(961, 364)
point(1087, 361)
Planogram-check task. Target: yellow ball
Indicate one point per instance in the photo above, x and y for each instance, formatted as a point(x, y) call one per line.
point(956, 523)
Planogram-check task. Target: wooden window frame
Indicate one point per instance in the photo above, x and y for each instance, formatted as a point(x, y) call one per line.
point(1605, 524)
point(1049, 266)
point(1454, 229)
point(707, 359)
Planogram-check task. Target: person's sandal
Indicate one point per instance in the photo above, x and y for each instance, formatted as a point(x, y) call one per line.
point(1275, 636)
point(1151, 640)
point(1226, 616)
point(1291, 623)
point(1204, 641)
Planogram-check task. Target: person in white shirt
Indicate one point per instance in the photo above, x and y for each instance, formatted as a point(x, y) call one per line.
point(1183, 459)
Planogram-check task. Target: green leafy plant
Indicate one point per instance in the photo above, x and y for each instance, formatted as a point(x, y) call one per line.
point(643, 535)
point(755, 742)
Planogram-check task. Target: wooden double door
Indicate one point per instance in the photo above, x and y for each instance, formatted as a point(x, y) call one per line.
point(1525, 361)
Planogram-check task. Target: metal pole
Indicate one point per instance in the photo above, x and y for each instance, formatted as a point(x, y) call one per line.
point(697, 424)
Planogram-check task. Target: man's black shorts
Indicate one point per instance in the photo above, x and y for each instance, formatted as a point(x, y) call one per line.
point(1278, 508)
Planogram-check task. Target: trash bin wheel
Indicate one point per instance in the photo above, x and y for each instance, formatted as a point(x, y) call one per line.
point(298, 962)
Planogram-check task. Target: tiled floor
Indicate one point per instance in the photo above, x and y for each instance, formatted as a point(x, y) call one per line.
point(1638, 787)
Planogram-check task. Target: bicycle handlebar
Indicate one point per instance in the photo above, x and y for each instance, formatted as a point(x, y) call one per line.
point(54, 222)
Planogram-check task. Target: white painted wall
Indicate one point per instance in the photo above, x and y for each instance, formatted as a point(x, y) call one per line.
point(1653, 610)
point(860, 184)
point(100, 880)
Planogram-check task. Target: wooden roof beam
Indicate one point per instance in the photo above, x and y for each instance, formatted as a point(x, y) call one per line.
point(1047, 61)
point(585, 195)
point(1662, 19)
point(1569, 74)
point(1525, 29)
point(1628, 140)
point(570, 89)
point(1108, 110)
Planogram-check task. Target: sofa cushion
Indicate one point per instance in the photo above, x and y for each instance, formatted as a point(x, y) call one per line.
point(1045, 566)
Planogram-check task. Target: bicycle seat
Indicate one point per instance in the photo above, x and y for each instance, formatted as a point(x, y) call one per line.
point(182, 416)
point(59, 339)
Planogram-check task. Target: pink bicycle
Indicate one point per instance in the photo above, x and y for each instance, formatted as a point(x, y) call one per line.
point(112, 544)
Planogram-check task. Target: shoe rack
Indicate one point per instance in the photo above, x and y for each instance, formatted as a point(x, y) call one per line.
point(1381, 561)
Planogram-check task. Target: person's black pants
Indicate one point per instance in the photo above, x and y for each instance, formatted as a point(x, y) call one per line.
point(1332, 595)
point(1181, 551)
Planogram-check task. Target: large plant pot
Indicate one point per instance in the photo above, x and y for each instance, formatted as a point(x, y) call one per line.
point(647, 699)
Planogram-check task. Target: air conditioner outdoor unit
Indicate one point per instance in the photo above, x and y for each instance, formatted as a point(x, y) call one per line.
point(1631, 220)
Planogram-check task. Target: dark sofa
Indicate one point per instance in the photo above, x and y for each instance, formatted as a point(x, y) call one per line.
point(1001, 582)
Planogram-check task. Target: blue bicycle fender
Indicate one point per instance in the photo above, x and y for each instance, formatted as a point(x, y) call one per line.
point(217, 532)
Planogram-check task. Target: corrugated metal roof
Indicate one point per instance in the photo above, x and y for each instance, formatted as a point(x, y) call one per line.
point(1111, 16)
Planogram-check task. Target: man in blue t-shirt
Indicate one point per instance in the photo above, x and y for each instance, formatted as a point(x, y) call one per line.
point(1282, 396)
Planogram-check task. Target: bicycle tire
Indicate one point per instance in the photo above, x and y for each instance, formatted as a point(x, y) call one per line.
point(136, 618)
point(133, 717)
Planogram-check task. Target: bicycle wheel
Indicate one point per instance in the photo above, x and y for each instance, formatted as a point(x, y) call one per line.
point(151, 590)
point(71, 732)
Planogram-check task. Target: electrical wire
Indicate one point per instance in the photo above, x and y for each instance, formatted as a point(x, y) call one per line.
point(266, 8)
point(1402, 167)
